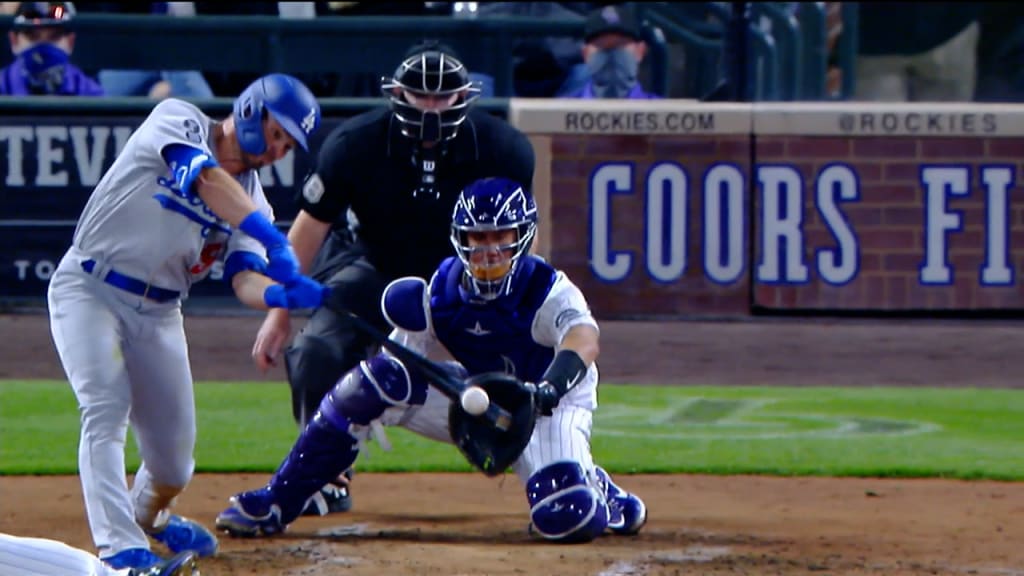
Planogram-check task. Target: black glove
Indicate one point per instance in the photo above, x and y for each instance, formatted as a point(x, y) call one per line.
point(488, 448)
point(545, 397)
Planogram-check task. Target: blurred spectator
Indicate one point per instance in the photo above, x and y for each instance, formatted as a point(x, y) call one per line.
point(229, 83)
point(388, 9)
point(1001, 53)
point(155, 84)
point(613, 51)
point(540, 66)
point(42, 42)
point(922, 52)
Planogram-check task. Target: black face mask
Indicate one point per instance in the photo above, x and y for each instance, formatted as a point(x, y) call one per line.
point(613, 72)
point(430, 130)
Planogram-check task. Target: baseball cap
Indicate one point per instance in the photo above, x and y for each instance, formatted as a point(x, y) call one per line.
point(39, 14)
point(620, 19)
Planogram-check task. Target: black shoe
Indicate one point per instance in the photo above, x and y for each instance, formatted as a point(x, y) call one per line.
point(333, 498)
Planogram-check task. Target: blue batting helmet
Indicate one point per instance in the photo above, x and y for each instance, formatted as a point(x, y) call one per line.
point(493, 204)
point(287, 100)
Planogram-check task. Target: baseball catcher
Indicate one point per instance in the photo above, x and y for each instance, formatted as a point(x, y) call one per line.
point(496, 309)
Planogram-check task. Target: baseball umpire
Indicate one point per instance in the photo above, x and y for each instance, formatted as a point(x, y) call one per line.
point(378, 207)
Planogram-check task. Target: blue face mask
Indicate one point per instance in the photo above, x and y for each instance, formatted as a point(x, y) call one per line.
point(613, 72)
point(45, 63)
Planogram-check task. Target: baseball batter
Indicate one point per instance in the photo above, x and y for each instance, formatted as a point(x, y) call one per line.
point(493, 308)
point(182, 195)
point(22, 556)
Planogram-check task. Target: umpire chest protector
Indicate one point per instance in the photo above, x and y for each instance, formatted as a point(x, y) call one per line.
point(473, 332)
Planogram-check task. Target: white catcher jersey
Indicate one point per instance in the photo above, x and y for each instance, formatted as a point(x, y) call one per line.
point(141, 223)
point(562, 308)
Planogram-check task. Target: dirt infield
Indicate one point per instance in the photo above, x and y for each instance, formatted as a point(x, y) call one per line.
point(468, 524)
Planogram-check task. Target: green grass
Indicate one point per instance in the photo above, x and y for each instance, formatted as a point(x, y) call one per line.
point(962, 433)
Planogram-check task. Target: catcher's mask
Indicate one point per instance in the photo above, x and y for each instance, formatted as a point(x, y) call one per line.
point(430, 94)
point(487, 212)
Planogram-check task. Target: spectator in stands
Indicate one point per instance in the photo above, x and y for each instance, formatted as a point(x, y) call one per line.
point(42, 42)
point(612, 53)
point(1001, 53)
point(155, 84)
point(541, 66)
point(920, 52)
point(228, 83)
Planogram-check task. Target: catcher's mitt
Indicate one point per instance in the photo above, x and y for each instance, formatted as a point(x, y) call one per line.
point(490, 449)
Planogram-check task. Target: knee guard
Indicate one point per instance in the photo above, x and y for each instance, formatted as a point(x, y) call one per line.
point(369, 389)
point(564, 507)
point(314, 365)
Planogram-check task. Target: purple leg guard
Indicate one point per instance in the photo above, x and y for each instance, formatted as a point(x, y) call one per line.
point(564, 507)
point(326, 447)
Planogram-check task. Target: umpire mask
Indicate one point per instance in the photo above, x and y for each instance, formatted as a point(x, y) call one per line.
point(430, 94)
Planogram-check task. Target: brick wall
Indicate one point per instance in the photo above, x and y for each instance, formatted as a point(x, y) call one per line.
point(889, 221)
point(876, 154)
point(574, 161)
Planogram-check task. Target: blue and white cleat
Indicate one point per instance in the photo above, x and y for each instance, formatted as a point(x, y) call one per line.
point(183, 564)
point(251, 514)
point(136, 558)
point(183, 535)
point(627, 513)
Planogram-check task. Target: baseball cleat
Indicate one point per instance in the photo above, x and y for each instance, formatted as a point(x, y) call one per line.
point(333, 498)
point(627, 513)
point(251, 514)
point(184, 564)
point(137, 558)
point(182, 535)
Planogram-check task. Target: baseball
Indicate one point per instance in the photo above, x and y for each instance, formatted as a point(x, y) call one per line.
point(475, 400)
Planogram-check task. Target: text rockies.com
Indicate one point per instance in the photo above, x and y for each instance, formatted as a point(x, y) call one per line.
point(640, 122)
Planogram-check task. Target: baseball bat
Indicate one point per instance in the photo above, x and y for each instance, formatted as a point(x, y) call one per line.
point(434, 373)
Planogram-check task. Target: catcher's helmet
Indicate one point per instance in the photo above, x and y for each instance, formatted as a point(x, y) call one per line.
point(431, 71)
point(43, 14)
point(493, 204)
point(287, 100)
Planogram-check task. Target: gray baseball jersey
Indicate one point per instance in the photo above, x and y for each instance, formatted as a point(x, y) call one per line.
point(142, 220)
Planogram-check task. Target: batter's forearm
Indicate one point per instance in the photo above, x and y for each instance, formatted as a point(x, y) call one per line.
point(224, 196)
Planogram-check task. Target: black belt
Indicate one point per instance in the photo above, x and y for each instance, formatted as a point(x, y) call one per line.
point(133, 285)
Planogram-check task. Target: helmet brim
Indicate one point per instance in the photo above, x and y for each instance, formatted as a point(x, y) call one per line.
point(291, 127)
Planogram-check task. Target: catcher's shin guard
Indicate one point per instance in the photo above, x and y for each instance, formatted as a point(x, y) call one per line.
point(326, 446)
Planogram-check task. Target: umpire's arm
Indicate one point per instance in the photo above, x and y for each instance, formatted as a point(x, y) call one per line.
point(307, 236)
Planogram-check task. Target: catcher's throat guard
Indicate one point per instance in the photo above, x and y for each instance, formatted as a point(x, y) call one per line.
point(487, 447)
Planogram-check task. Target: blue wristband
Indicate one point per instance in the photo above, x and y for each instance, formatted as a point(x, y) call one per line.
point(259, 227)
point(275, 296)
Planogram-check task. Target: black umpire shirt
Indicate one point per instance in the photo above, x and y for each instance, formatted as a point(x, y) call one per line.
point(366, 164)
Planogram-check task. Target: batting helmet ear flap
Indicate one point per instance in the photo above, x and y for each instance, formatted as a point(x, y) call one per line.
point(287, 100)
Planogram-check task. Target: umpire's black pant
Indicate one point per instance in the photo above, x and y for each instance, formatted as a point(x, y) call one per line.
point(329, 345)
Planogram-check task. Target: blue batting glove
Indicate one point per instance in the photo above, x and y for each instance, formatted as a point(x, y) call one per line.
point(302, 292)
point(282, 265)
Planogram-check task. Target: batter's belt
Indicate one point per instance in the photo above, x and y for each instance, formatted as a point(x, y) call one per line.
point(133, 285)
